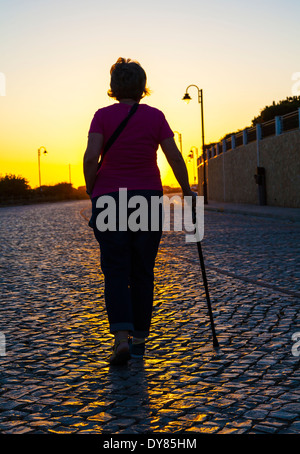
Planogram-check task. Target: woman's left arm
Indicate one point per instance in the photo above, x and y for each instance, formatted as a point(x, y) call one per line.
point(90, 159)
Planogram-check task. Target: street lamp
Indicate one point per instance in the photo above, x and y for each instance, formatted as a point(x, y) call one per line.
point(180, 140)
point(187, 98)
point(44, 151)
point(194, 155)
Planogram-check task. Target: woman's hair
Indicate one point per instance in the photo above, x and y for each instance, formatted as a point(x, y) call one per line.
point(128, 80)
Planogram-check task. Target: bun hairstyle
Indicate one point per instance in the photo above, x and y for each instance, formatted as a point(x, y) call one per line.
point(128, 80)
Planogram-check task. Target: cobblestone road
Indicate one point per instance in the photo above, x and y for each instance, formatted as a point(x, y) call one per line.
point(54, 376)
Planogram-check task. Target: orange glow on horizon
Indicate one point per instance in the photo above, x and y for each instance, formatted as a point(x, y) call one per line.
point(56, 72)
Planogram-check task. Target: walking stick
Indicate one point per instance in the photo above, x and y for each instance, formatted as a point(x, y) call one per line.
point(215, 340)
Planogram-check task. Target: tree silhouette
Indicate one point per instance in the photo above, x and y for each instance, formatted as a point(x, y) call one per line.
point(63, 190)
point(12, 185)
point(288, 105)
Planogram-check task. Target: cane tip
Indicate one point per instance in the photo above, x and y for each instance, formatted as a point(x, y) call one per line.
point(215, 343)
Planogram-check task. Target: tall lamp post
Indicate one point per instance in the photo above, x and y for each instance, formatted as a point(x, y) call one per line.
point(180, 140)
point(187, 98)
point(44, 151)
point(194, 155)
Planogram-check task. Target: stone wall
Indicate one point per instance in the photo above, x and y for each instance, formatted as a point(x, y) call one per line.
point(230, 175)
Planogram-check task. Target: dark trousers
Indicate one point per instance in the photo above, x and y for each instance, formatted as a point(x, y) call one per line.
point(127, 262)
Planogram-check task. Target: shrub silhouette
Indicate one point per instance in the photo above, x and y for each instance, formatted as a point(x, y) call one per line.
point(284, 107)
point(12, 185)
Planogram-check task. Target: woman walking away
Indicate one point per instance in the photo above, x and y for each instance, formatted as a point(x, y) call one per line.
point(128, 169)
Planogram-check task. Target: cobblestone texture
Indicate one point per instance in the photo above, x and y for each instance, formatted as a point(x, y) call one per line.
point(54, 377)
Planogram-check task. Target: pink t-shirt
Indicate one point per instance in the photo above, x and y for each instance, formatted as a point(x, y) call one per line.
point(131, 162)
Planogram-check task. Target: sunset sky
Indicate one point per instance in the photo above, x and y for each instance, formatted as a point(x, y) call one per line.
point(56, 56)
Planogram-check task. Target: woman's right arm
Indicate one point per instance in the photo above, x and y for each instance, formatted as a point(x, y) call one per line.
point(177, 164)
point(90, 160)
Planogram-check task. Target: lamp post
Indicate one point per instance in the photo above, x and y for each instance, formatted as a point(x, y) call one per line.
point(194, 155)
point(180, 140)
point(44, 151)
point(187, 98)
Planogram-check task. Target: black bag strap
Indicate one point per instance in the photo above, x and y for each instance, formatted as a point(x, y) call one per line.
point(117, 132)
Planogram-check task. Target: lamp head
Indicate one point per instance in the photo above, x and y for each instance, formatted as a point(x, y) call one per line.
point(186, 98)
point(43, 150)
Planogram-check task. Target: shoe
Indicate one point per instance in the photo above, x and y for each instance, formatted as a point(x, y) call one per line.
point(137, 350)
point(121, 354)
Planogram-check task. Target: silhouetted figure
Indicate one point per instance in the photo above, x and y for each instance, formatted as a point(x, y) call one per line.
point(127, 256)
